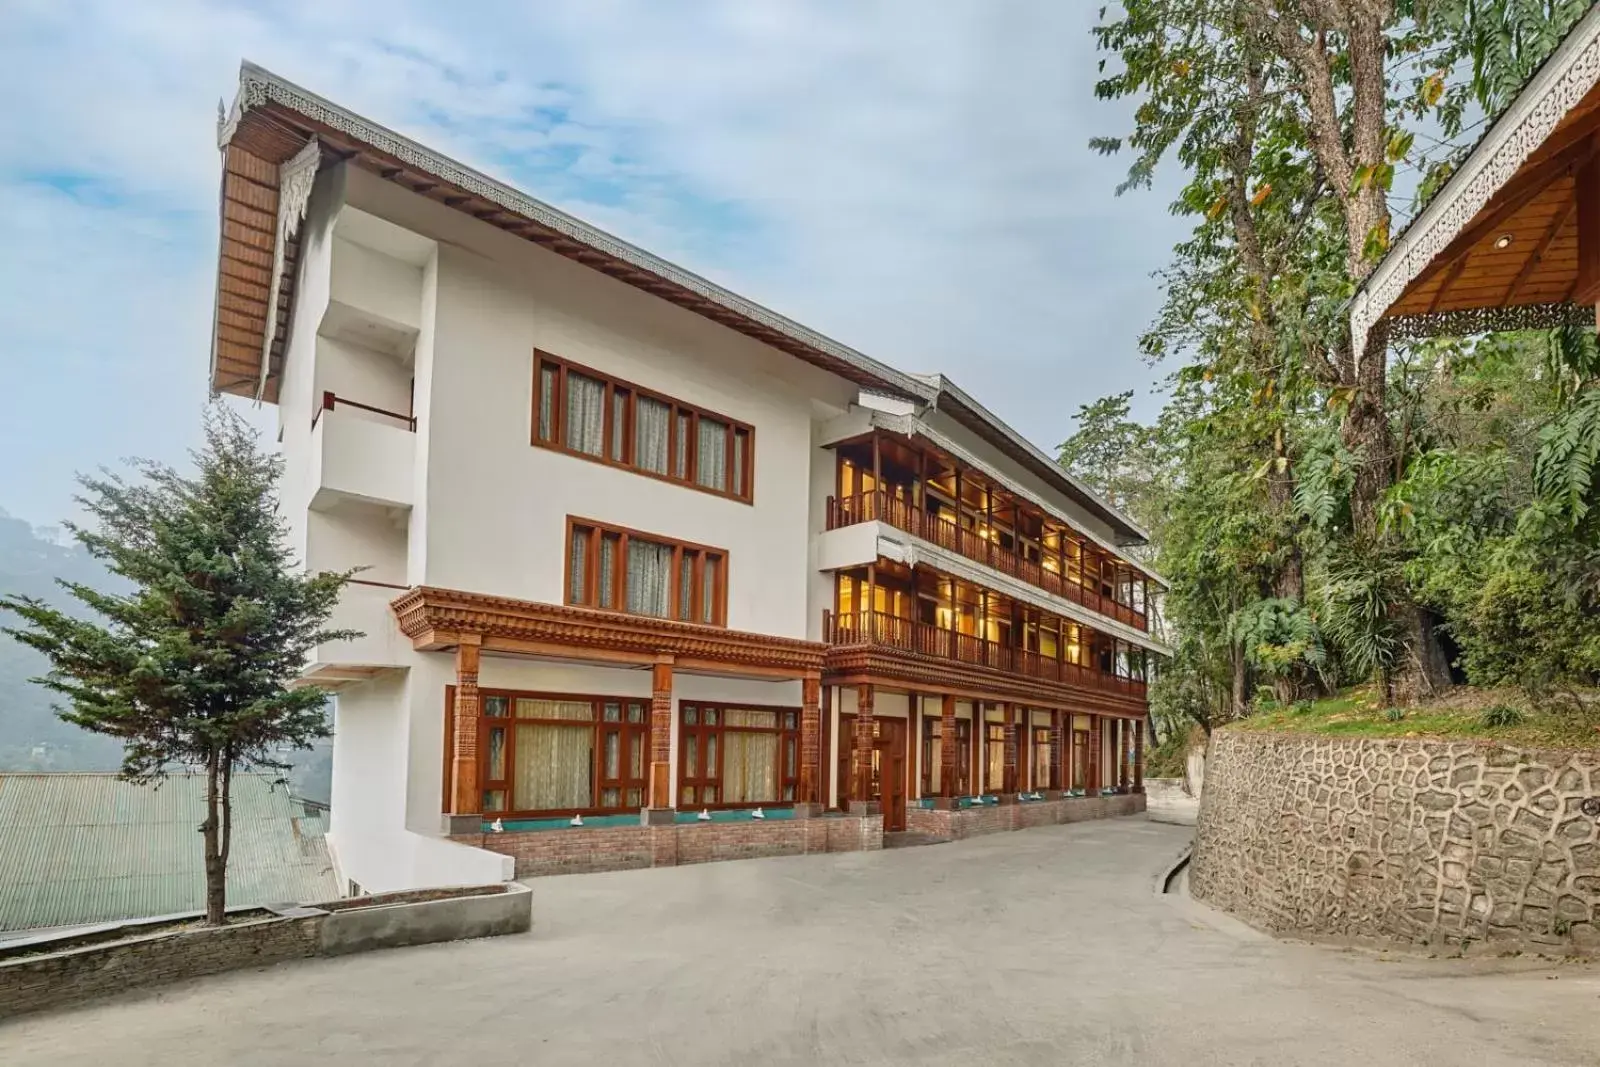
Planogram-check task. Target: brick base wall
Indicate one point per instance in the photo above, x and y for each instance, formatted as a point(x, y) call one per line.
point(972, 822)
point(585, 850)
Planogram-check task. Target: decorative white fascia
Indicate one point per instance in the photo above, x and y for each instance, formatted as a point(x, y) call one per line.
point(852, 425)
point(905, 548)
point(258, 87)
point(1564, 79)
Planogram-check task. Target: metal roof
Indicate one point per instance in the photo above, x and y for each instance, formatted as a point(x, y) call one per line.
point(87, 848)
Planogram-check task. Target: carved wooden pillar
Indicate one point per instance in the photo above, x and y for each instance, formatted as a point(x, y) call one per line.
point(809, 792)
point(861, 765)
point(1096, 757)
point(1008, 772)
point(662, 800)
point(465, 796)
point(1139, 728)
point(1058, 780)
point(949, 755)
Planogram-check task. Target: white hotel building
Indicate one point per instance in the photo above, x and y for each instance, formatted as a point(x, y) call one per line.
point(638, 552)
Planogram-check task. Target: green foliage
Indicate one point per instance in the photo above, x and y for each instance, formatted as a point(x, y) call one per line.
point(191, 664)
point(1280, 638)
point(1499, 716)
point(1394, 714)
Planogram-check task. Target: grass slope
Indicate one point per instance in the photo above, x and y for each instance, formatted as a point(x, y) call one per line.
point(1458, 715)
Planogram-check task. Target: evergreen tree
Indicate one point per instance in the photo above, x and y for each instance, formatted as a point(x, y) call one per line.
point(193, 666)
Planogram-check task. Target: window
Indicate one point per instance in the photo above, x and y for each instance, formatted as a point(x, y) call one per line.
point(616, 569)
point(731, 756)
point(994, 763)
point(1041, 758)
point(932, 756)
point(544, 754)
point(585, 413)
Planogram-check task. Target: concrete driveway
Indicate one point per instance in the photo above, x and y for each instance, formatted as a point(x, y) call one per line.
point(1040, 947)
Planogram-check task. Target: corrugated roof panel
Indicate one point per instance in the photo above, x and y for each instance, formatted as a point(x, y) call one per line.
point(82, 848)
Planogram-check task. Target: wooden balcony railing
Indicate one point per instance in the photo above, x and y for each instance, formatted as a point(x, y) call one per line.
point(876, 628)
point(332, 400)
point(902, 515)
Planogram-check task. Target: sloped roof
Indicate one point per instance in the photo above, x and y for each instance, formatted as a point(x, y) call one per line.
point(88, 848)
point(1497, 247)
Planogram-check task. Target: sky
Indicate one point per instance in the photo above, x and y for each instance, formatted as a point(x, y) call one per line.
point(912, 179)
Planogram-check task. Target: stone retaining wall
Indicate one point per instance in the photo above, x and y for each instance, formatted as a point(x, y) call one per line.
point(1437, 842)
point(1000, 818)
point(583, 850)
point(52, 971)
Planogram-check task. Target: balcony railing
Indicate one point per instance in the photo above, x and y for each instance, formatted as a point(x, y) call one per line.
point(902, 515)
point(876, 628)
point(333, 400)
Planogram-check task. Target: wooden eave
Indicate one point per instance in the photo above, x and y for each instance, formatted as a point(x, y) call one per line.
point(1498, 246)
point(901, 669)
point(273, 119)
point(435, 619)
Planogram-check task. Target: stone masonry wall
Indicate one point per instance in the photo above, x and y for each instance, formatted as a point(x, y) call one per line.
point(583, 850)
point(1428, 842)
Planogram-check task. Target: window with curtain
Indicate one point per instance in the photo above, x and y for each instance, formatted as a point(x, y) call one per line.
point(711, 454)
point(731, 756)
point(562, 755)
point(621, 570)
point(933, 751)
point(994, 767)
point(586, 413)
point(1041, 758)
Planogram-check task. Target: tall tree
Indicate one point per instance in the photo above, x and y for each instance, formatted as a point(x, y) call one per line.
point(192, 668)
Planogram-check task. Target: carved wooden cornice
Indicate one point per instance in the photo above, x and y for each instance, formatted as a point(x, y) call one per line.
point(889, 666)
point(436, 618)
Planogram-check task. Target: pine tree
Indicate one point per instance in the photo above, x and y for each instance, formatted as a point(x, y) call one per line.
point(193, 667)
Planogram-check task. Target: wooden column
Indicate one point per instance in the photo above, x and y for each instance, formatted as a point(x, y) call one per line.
point(1139, 728)
point(662, 800)
point(1008, 774)
point(949, 759)
point(1058, 779)
point(980, 742)
point(809, 793)
point(861, 764)
point(466, 798)
point(1096, 757)
point(914, 745)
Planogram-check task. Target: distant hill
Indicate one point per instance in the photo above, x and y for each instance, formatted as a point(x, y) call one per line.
point(32, 738)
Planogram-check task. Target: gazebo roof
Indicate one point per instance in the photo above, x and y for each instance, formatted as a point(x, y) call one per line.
point(1497, 246)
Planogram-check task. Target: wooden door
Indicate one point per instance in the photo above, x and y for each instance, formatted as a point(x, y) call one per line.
point(890, 768)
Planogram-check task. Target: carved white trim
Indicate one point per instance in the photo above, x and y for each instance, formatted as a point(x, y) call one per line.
point(1470, 321)
point(295, 180)
point(258, 87)
point(1566, 77)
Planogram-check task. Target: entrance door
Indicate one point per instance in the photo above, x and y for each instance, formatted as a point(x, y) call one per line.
point(890, 768)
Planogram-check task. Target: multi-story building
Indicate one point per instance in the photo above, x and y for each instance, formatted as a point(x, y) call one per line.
point(637, 552)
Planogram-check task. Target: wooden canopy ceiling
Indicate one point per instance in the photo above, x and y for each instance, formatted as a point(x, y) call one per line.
point(271, 125)
point(1512, 240)
point(1521, 248)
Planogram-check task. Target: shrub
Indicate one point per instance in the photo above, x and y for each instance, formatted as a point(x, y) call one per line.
point(1394, 714)
point(1501, 715)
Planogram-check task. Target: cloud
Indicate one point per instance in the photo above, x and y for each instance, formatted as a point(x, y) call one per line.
point(909, 178)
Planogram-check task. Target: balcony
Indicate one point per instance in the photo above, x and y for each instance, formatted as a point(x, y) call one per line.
point(876, 630)
point(361, 453)
point(363, 606)
point(879, 506)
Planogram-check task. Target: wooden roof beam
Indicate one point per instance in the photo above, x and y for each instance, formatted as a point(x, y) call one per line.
point(1557, 222)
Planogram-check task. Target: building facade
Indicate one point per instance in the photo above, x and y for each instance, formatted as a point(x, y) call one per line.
point(633, 551)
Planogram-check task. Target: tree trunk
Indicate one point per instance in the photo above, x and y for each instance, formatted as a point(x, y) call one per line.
point(215, 859)
point(1426, 671)
point(1240, 687)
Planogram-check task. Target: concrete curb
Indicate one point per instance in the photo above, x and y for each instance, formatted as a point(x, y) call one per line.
point(1164, 878)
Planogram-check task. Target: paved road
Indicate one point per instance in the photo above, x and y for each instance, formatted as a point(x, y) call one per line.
point(1040, 947)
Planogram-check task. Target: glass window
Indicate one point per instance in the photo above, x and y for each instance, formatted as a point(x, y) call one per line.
point(560, 755)
point(680, 456)
point(619, 423)
point(711, 454)
point(650, 434)
point(547, 401)
point(739, 756)
point(649, 577)
point(585, 413)
point(576, 593)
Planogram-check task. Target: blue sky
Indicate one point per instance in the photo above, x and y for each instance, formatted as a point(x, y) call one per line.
point(910, 178)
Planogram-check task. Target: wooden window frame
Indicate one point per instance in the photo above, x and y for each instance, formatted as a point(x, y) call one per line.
point(744, 492)
point(700, 554)
point(631, 734)
point(788, 784)
point(932, 726)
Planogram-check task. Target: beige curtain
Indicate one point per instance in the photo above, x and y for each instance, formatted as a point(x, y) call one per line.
point(586, 414)
point(749, 760)
point(686, 587)
point(740, 442)
point(580, 559)
point(712, 469)
point(608, 570)
point(547, 400)
point(708, 591)
point(555, 761)
point(650, 434)
point(619, 422)
point(649, 577)
point(680, 467)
